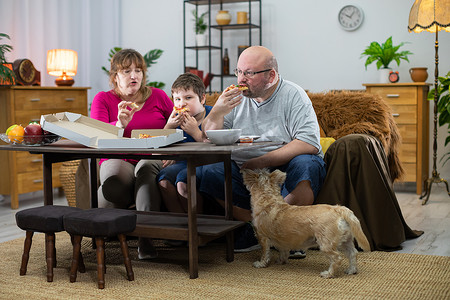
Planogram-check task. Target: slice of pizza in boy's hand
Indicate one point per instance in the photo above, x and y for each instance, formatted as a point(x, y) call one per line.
point(180, 110)
point(241, 87)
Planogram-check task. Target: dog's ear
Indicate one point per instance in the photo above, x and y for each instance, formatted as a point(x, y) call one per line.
point(278, 177)
point(249, 176)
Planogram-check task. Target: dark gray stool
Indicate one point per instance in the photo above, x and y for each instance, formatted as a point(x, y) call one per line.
point(47, 219)
point(100, 223)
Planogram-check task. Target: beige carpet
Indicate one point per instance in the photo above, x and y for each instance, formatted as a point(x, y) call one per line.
point(382, 275)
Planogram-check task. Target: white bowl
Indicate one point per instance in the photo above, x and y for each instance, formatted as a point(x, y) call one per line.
point(223, 136)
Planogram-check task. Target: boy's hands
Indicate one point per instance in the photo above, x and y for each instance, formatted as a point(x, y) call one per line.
point(189, 124)
point(174, 120)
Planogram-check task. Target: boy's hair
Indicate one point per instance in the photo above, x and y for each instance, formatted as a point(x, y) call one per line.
point(189, 81)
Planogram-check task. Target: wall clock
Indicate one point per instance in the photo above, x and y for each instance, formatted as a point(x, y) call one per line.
point(350, 17)
point(26, 73)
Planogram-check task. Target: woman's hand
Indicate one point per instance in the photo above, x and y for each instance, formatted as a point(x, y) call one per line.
point(125, 115)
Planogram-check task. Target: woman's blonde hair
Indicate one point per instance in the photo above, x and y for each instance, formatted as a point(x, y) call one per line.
point(122, 60)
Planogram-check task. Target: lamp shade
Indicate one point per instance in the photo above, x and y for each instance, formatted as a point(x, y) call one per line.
point(62, 63)
point(429, 15)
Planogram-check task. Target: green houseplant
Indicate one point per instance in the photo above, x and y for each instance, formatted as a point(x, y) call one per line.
point(200, 27)
point(150, 59)
point(200, 23)
point(443, 107)
point(6, 74)
point(384, 54)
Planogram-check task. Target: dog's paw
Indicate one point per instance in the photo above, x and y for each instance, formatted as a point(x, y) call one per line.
point(259, 264)
point(351, 270)
point(281, 261)
point(326, 274)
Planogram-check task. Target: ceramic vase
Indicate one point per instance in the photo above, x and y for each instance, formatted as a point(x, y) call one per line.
point(418, 74)
point(223, 17)
point(384, 75)
point(200, 40)
point(242, 17)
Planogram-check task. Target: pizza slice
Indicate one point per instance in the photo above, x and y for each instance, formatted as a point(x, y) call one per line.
point(180, 110)
point(241, 87)
point(145, 136)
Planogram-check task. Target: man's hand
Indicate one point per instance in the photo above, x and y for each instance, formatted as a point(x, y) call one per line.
point(227, 101)
point(166, 163)
point(255, 163)
point(223, 106)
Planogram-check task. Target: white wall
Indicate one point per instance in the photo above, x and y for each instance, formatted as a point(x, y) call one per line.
point(311, 48)
point(305, 36)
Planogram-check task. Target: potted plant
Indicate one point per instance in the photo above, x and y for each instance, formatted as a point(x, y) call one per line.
point(443, 107)
point(7, 76)
point(200, 27)
point(383, 55)
point(150, 59)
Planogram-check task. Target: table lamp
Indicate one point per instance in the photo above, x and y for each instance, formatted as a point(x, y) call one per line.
point(432, 16)
point(62, 63)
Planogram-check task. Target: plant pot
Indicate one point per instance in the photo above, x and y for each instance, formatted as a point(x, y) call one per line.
point(418, 74)
point(223, 17)
point(200, 40)
point(384, 75)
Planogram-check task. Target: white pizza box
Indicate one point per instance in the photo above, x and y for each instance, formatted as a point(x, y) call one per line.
point(97, 134)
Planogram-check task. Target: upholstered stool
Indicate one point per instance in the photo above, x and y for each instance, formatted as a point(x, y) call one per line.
point(100, 223)
point(47, 219)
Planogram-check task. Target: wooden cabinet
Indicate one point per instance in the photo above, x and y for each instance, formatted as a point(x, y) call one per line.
point(21, 171)
point(410, 109)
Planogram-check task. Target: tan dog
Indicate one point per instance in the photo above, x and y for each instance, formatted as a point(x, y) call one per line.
point(289, 227)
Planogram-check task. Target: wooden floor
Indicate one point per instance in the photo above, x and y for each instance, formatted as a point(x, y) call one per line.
point(433, 218)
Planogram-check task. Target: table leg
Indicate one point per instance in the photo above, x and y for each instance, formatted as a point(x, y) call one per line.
point(229, 207)
point(93, 182)
point(48, 184)
point(192, 219)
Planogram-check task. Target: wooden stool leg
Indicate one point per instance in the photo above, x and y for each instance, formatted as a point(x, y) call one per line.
point(76, 241)
point(26, 252)
point(50, 253)
point(126, 257)
point(100, 243)
point(81, 266)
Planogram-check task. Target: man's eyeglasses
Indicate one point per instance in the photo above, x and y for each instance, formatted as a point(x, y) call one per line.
point(249, 74)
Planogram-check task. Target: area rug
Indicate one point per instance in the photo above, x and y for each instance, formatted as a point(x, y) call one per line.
point(381, 275)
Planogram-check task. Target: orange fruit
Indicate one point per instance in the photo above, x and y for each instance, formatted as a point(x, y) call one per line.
point(15, 133)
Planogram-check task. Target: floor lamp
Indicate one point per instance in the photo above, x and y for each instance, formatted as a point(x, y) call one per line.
point(432, 16)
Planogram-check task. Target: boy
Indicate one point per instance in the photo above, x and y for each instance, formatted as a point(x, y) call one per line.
point(188, 93)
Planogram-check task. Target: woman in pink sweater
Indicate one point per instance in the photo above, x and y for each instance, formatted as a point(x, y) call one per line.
point(131, 105)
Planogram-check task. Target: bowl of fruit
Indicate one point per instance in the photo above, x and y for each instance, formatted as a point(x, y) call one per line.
point(30, 135)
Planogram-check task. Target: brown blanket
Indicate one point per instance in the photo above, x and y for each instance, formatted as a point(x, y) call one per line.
point(342, 113)
point(358, 178)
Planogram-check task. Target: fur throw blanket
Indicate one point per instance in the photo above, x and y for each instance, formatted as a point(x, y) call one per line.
point(343, 113)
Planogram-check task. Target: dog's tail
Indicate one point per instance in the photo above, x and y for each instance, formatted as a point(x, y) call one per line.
point(355, 228)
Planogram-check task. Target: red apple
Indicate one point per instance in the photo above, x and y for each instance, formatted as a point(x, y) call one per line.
point(33, 134)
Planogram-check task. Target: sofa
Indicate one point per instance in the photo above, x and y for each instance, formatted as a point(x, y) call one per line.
point(362, 164)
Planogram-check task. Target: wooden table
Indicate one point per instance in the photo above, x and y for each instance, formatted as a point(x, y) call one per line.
point(196, 229)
